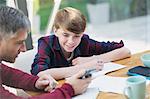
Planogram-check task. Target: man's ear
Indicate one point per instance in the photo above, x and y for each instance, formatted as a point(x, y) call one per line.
point(0, 40)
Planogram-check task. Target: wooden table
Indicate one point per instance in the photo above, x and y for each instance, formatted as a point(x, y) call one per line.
point(134, 60)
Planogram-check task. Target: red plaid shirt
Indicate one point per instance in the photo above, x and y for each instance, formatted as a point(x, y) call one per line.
point(17, 79)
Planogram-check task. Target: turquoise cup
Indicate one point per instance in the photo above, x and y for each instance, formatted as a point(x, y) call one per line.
point(135, 87)
point(145, 58)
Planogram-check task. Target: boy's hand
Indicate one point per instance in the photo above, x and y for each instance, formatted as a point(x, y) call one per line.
point(81, 60)
point(89, 63)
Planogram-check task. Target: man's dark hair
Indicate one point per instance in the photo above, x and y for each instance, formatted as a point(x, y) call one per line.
point(12, 20)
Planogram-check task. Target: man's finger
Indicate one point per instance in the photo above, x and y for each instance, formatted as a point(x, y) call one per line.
point(44, 82)
point(80, 73)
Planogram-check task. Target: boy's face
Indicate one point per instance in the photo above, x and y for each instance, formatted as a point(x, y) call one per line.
point(68, 40)
point(12, 46)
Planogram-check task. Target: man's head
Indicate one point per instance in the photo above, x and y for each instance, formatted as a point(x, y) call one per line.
point(69, 25)
point(14, 26)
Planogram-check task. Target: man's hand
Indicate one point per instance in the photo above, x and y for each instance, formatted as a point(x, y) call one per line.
point(79, 85)
point(46, 83)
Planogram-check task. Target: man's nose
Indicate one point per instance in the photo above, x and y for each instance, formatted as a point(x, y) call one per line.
point(23, 48)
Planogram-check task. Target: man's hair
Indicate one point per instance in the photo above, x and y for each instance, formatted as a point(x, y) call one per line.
point(12, 20)
point(70, 19)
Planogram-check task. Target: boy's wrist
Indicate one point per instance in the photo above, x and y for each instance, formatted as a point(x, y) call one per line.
point(95, 57)
point(98, 58)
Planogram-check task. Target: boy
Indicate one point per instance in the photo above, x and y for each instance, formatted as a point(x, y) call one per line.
point(69, 50)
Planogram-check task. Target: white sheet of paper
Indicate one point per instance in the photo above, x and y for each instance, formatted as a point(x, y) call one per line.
point(110, 84)
point(108, 67)
point(91, 93)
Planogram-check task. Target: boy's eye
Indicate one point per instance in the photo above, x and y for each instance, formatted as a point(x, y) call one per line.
point(66, 35)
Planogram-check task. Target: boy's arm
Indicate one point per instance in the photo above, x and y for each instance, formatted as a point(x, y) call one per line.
point(42, 58)
point(102, 51)
point(90, 62)
point(114, 55)
point(65, 72)
point(60, 73)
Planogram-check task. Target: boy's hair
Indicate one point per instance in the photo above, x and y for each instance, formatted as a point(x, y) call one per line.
point(70, 19)
point(12, 20)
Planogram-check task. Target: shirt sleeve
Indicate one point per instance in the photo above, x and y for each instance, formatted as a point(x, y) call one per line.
point(65, 92)
point(17, 79)
point(42, 58)
point(105, 47)
point(94, 47)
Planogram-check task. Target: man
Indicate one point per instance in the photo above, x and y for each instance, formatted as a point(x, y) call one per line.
point(14, 27)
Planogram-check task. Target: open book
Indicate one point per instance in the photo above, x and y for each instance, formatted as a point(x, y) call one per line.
point(93, 91)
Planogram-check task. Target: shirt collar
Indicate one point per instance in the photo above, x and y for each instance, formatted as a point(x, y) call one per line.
point(56, 44)
point(77, 52)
